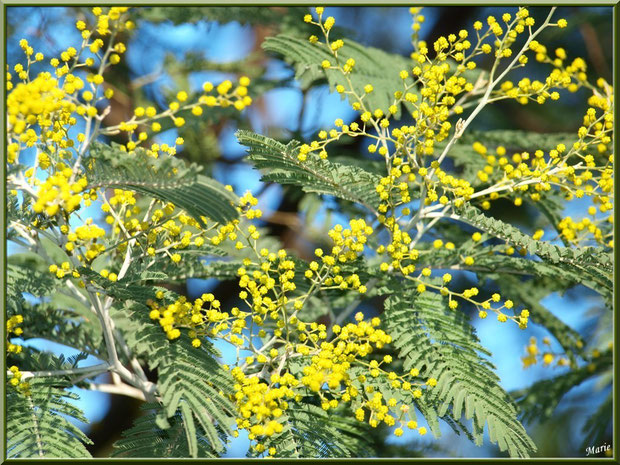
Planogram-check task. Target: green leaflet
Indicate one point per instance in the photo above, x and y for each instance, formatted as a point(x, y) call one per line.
point(514, 139)
point(372, 66)
point(507, 264)
point(309, 431)
point(594, 261)
point(54, 315)
point(146, 439)
point(442, 344)
point(25, 279)
point(599, 423)
point(37, 424)
point(191, 383)
point(190, 379)
point(279, 164)
point(595, 256)
point(540, 400)
point(166, 179)
point(121, 290)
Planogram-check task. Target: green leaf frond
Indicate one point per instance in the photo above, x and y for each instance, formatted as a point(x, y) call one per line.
point(39, 422)
point(442, 344)
point(279, 163)
point(166, 179)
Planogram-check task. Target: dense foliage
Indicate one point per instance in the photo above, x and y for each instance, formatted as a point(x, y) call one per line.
point(313, 374)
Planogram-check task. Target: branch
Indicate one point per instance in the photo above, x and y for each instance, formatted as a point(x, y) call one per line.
point(120, 389)
point(92, 370)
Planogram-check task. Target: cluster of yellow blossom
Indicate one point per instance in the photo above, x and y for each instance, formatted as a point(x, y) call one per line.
point(260, 403)
point(333, 360)
point(275, 276)
point(398, 250)
point(226, 94)
point(576, 231)
point(424, 283)
point(85, 235)
point(393, 190)
point(63, 270)
point(202, 317)
point(348, 244)
point(572, 170)
point(163, 229)
point(267, 287)
point(337, 365)
point(557, 168)
point(13, 327)
point(328, 372)
point(35, 102)
point(16, 380)
point(534, 354)
point(110, 21)
point(431, 88)
point(417, 21)
point(571, 77)
point(42, 110)
point(60, 193)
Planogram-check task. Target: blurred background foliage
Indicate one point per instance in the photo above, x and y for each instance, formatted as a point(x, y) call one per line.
point(177, 48)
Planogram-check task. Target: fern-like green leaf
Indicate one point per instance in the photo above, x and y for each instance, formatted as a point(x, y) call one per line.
point(594, 261)
point(372, 66)
point(192, 385)
point(310, 432)
point(539, 401)
point(279, 164)
point(37, 422)
point(25, 279)
point(165, 178)
point(442, 344)
point(147, 440)
point(599, 424)
point(192, 381)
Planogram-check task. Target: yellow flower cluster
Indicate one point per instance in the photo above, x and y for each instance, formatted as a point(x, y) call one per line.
point(393, 190)
point(570, 77)
point(108, 22)
point(223, 95)
point(537, 173)
point(534, 355)
point(398, 249)
point(202, 317)
point(60, 193)
point(576, 231)
point(267, 287)
point(63, 270)
point(163, 229)
point(16, 380)
point(260, 404)
point(257, 285)
point(13, 327)
point(334, 359)
point(86, 236)
point(35, 102)
point(348, 245)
